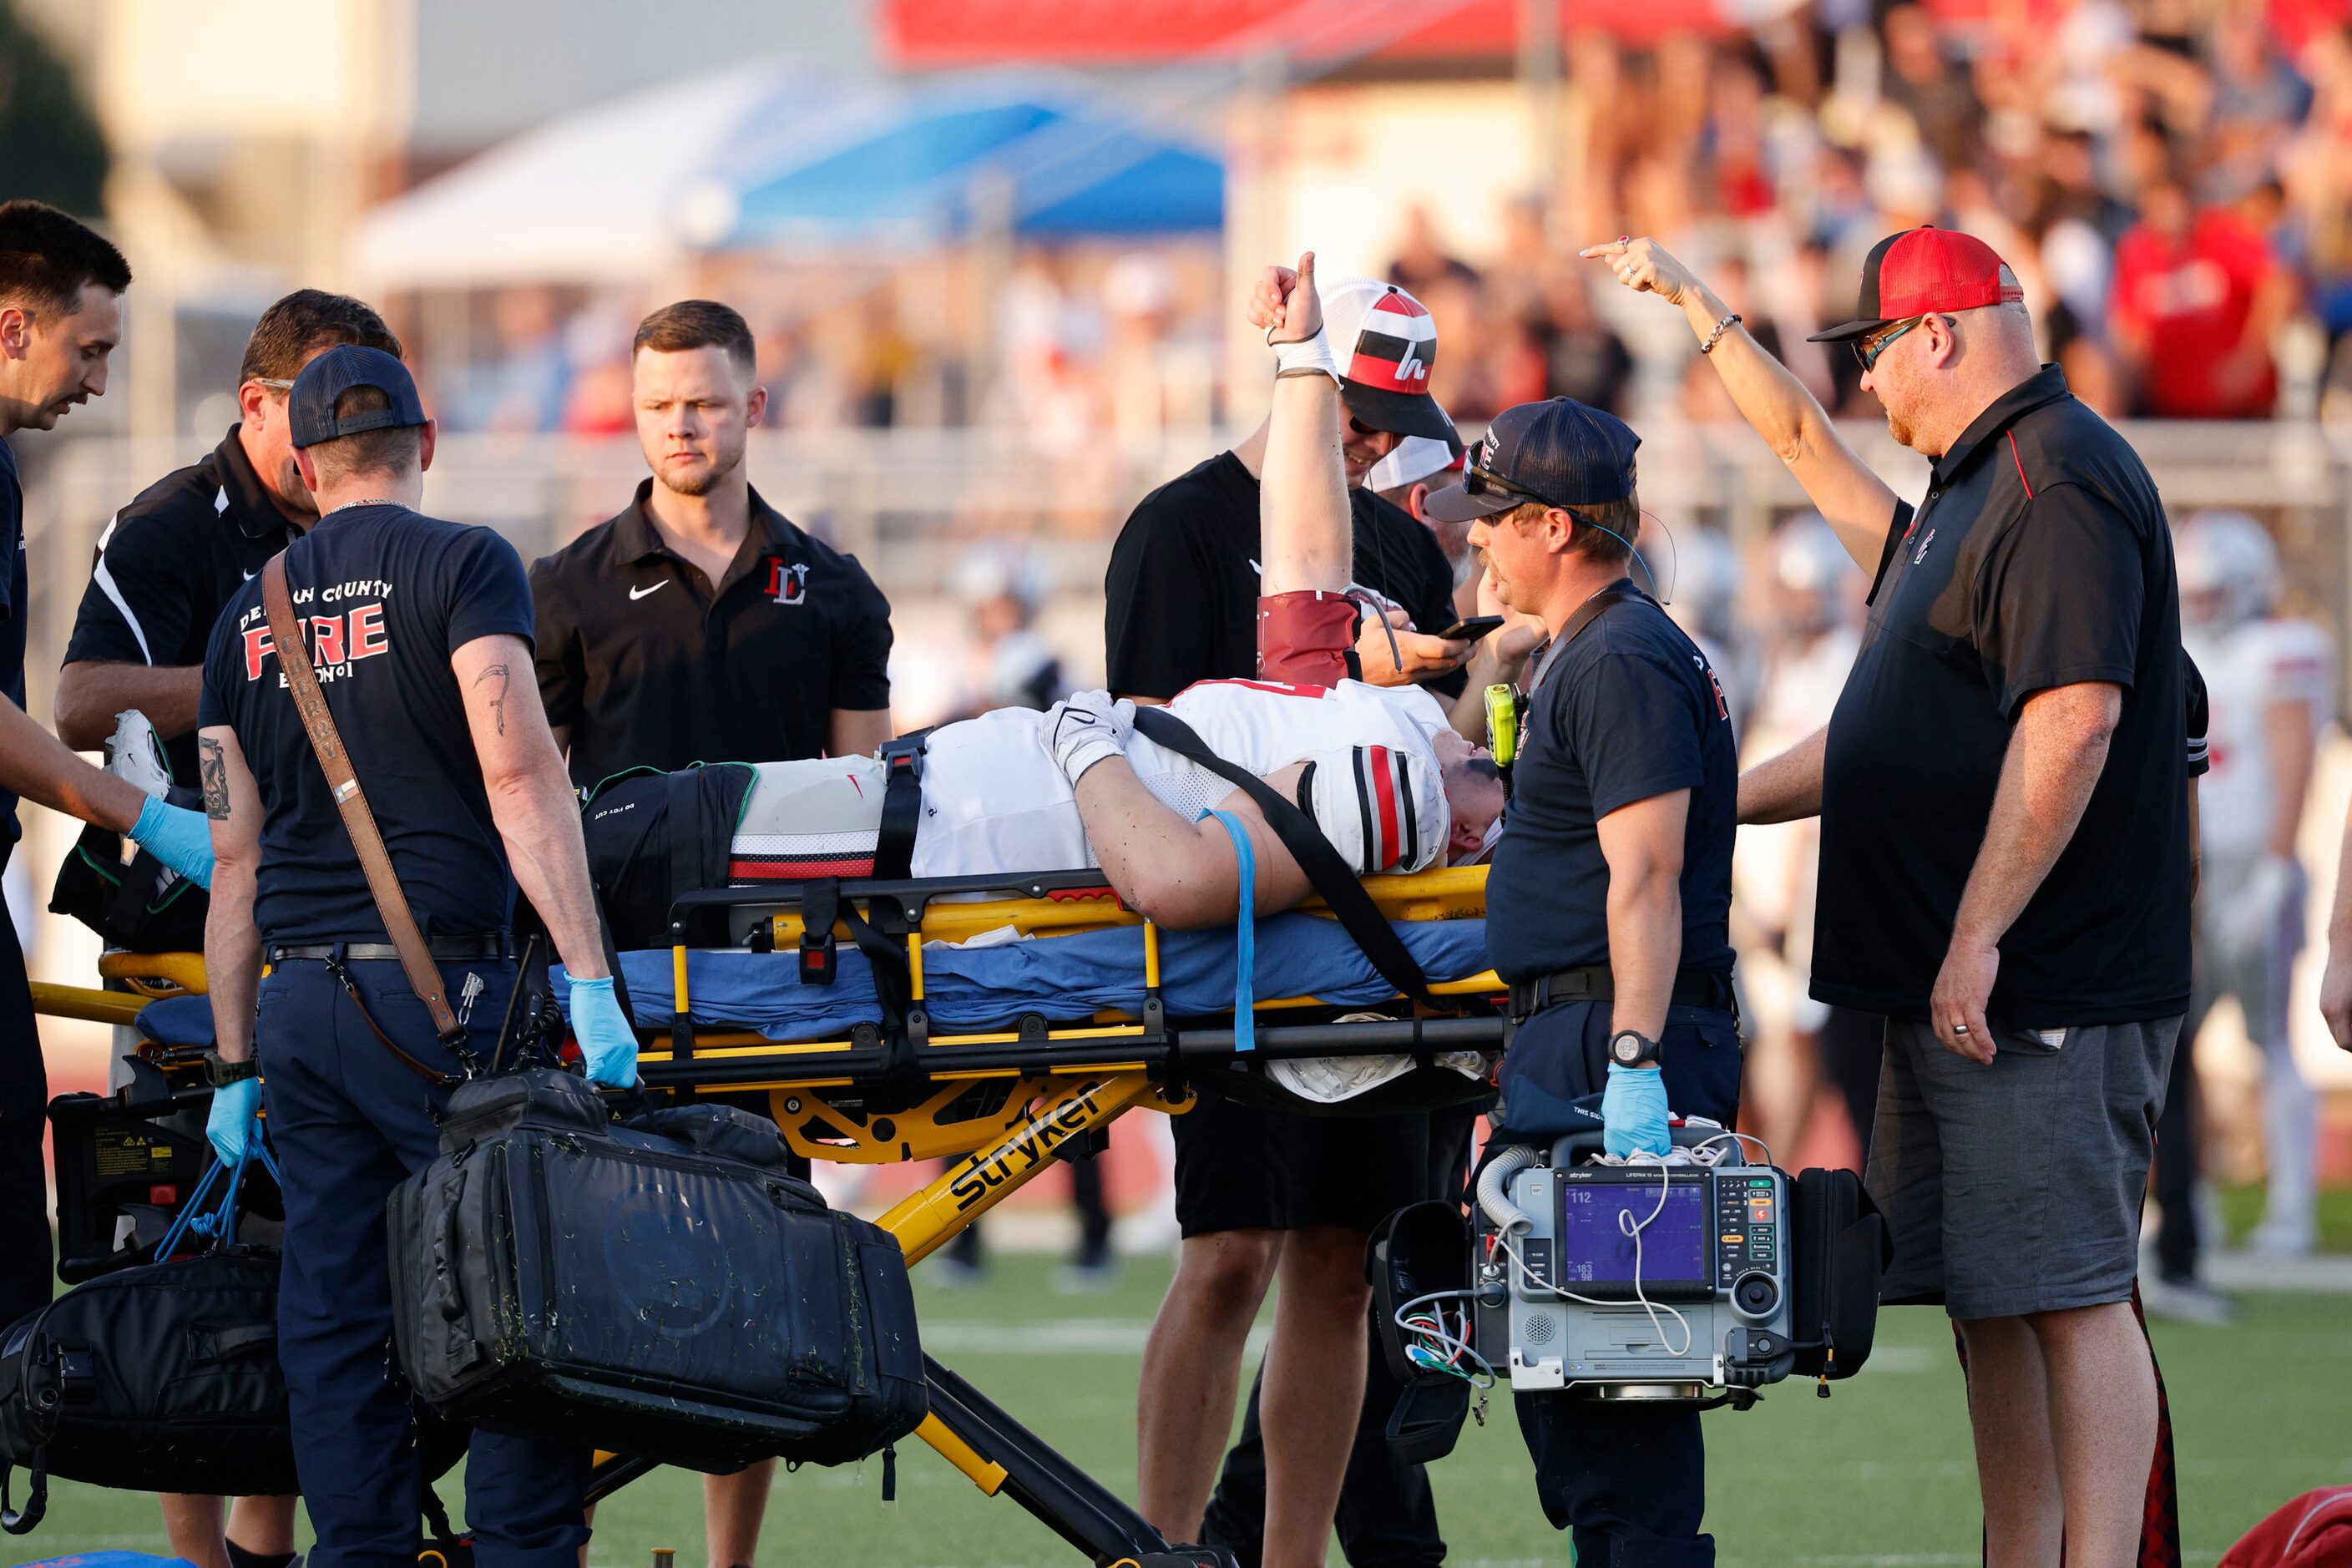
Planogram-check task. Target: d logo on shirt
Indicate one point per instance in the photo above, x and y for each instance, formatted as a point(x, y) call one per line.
point(787, 584)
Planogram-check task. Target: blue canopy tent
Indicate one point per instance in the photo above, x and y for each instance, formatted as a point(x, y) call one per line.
point(920, 164)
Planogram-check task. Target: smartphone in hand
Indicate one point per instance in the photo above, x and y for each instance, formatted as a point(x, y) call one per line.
point(1470, 628)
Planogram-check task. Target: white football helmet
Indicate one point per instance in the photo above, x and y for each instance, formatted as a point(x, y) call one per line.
point(1812, 574)
point(2229, 569)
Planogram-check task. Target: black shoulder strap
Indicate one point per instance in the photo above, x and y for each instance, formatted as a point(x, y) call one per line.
point(902, 806)
point(1325, 868)
point(1586, 613)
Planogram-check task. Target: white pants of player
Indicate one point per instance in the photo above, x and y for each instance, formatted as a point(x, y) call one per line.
point(2259, 974)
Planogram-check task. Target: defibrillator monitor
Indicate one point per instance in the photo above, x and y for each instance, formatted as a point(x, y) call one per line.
point(1615, 1231)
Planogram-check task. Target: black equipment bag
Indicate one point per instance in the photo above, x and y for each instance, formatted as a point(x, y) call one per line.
point(141, 906)
point(1836, 1257)
point(664, 1287)
point(656, 836)
point(1419, 1250)
point(159, 1378)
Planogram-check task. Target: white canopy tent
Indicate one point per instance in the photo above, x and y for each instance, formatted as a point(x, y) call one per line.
point(616, 194)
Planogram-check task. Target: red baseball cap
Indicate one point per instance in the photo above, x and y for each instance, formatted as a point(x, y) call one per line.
point(1922, 271)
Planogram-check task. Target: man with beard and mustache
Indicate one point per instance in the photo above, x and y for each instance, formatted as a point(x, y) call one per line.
point(700, 625)
point(2004, 873)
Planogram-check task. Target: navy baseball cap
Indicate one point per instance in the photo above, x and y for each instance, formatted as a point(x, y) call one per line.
point(310, 406)
point(1558, 452)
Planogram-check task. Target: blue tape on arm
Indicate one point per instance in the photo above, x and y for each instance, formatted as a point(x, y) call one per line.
point(1244, 934)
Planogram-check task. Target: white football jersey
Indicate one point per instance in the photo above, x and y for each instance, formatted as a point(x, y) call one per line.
point(2246, 668)
point(994, 799)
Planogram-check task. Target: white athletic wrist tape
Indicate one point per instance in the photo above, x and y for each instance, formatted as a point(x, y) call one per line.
point(1087, 754)
point(1312, 357)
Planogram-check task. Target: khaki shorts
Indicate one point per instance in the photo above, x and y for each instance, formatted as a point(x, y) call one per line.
point(2015, 1187)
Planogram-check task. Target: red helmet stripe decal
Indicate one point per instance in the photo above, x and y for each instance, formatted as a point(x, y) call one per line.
point(1384, 794)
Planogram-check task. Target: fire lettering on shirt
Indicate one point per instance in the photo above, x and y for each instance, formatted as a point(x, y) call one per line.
point(336, 641)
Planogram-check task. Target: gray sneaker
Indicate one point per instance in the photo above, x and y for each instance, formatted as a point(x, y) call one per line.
point(2186, 1301)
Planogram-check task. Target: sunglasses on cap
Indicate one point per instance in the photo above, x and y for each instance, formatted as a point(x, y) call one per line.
point(1867, 349)
point(1478, 482)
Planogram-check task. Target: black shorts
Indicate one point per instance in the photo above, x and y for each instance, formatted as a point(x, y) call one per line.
point(1243, 1167)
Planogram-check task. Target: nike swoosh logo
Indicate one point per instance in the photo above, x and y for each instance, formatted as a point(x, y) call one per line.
point(641, 593)
point(249, 576)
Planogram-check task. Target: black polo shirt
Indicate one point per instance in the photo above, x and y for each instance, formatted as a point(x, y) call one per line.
point(13, 612)
point(1628, 710)
point(389, 594)
point(166, 565)
point(651, 666)
point(1183, 579)
point(2040, 558)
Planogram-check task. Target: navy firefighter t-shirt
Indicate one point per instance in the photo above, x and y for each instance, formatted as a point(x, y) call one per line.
point(386, 595)
point(1628, 710)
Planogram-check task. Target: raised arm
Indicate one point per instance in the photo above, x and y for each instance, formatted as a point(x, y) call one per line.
point(1843, 488)
point(1305, 540)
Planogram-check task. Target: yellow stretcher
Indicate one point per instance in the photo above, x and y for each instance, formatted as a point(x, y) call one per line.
point(1009, 1100)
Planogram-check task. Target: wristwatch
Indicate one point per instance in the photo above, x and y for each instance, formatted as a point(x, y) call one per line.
point(220, 1073)
point(1631, 1048)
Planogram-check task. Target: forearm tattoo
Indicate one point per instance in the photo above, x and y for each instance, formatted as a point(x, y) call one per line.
point(212, 768)
point(496, 677)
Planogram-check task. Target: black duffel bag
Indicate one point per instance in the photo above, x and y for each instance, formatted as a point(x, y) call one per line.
point(665, 1288)
point(159, 1378)
point(141, 905)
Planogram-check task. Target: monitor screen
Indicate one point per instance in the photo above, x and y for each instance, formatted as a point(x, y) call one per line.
point(1594, 1250)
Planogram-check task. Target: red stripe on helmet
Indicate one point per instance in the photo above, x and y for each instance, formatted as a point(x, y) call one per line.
point(1385, 792)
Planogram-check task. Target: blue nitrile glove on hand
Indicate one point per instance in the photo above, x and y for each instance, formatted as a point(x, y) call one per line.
point(177, 837)
point(1633, 1114)
point(231, 1121)
point(606, 1038)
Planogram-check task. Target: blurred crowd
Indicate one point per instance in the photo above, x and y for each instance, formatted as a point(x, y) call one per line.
point(2170, 179)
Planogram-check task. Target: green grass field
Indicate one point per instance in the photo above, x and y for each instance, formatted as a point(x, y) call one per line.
point(1879, 1473)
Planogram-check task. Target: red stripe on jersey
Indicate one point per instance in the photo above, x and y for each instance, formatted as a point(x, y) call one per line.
point(2020, 465)
point(1384, 788)
point(785, 869)
point(1280, 689)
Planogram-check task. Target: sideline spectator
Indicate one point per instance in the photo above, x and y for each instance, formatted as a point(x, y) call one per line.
point(2199, 298)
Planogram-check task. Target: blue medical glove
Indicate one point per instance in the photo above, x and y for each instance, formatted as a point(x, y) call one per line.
point(231, 1121)
point(178, 837)
point(606, 1038)
point(1634, 1113)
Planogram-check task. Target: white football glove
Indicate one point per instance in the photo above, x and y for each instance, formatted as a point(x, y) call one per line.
point(2255, 919)
point(1085, 728)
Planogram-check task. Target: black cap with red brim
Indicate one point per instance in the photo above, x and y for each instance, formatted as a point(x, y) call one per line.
point(1921, 272)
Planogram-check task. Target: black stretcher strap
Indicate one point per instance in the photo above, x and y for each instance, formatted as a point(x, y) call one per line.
point(1330, 873)
point(902, 806)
